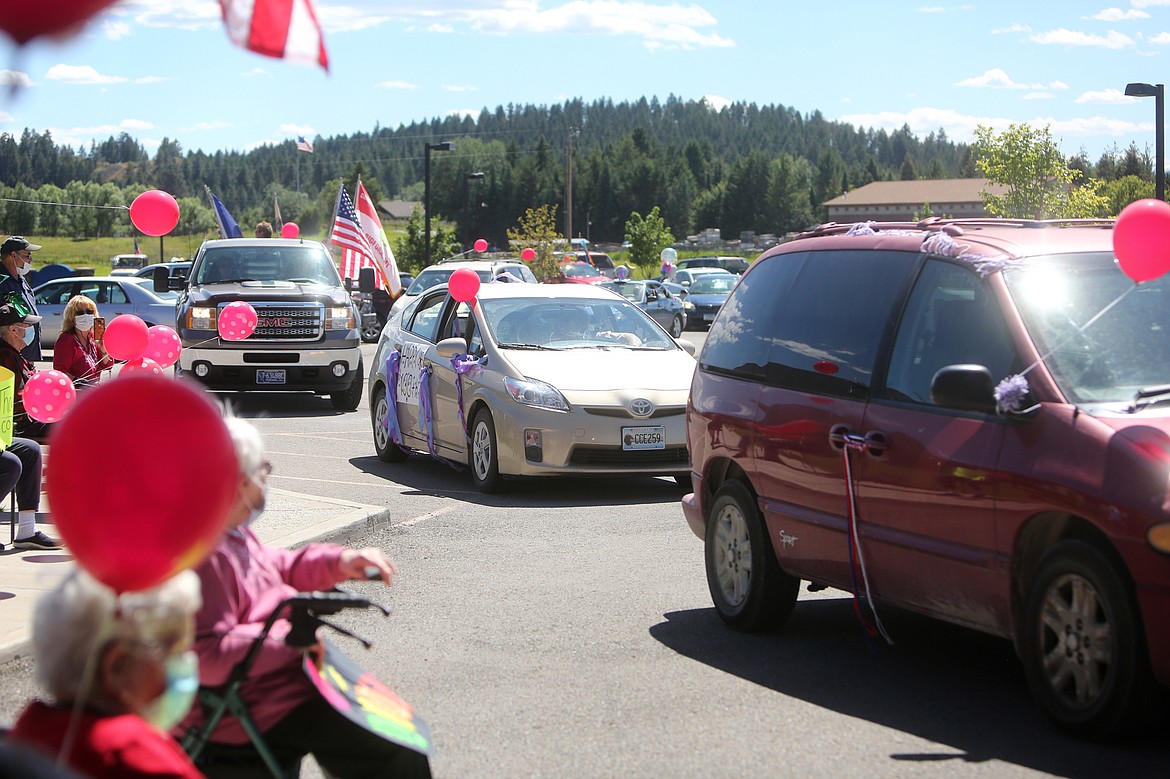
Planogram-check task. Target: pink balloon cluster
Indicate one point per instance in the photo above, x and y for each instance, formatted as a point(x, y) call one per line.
point(1141, 239)
point(141, 348)
point(48, 395)
point(237, 321)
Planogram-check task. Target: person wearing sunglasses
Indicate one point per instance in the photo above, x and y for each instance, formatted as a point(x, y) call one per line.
point(15, 263)
point(77, 351)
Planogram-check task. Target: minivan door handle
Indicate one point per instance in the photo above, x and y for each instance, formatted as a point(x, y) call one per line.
point(876, 443)
point(873, 442)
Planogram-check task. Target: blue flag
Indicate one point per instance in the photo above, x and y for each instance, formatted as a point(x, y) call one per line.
point(136, 249)
point(227, 225)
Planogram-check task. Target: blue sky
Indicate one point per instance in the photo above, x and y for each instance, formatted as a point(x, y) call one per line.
point(165, 68)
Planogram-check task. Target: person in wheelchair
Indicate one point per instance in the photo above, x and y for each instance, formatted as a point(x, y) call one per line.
point(243, 581)
point(119, 673)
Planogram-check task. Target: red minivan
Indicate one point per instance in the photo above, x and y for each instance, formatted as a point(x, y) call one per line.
point(969, 419)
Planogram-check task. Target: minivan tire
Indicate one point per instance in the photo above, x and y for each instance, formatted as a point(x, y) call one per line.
point(750, 590)
point(387, 450)
point(349, 399)
point(1076, 598)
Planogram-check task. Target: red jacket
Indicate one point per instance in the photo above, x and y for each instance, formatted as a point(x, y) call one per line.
point(84, 364)
point(124, 746)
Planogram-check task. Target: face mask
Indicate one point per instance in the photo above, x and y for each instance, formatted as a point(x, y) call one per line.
point(83, 322)
point(30, 335)
point(182, 680)
point(24, 269)
point(255, 512)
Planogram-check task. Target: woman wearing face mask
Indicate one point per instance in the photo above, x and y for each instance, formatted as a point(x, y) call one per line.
point(15, 328)
point(243, 582)
point(77, 352)
point(120, 673)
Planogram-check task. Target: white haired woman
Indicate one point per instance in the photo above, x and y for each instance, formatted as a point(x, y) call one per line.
point(119, 673)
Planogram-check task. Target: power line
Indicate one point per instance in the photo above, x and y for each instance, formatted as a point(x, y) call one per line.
point(66, 205)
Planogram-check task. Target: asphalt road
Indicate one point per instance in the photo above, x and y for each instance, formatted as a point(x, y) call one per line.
point(564, 629)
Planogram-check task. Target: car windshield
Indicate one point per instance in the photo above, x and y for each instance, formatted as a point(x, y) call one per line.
point(578, 270)
point(304, 264)
point(148, 284)
point(630, 290)
point(572, 323)
point(1102, 337)
point(435, 276)
point(712, 285)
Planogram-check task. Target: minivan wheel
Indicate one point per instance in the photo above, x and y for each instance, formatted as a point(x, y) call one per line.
point(387, 450)
point(348, 399)
point(676, 326)
point(748, 587)
point(485, 459)
point(1081, 644)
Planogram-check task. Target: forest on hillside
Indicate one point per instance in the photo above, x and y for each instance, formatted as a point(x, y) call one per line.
point(766, 169)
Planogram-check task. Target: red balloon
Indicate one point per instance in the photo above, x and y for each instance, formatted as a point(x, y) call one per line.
point(528, 255)
point(1141, 239)
point(126, 337)
point(155, 212)
point(132, 533)
point(463, 284)
point(26, 20)
point(481, 245)
point(290, 230)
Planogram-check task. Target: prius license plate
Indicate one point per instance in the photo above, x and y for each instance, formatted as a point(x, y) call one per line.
point(635, 438)
point(270, 375)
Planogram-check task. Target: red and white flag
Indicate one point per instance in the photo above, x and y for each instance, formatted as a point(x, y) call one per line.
point(285, 29)
point(371, 225)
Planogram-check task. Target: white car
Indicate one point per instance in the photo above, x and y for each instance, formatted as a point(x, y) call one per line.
point(113, 295)
point(570, 379)
point(487, 270)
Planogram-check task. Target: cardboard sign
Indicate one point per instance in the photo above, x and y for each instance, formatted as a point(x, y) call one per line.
point(366, 701)
point(7, 394)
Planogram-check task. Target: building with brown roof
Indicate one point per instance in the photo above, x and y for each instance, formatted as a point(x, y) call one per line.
point(899, 201)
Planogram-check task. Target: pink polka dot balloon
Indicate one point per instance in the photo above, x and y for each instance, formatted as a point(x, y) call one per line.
point(143, 365)
point(48, 396)
point(162, 345)
point(237, 321)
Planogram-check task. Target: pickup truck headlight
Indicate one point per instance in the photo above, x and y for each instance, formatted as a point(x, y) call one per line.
point(339, 318)
point(201, 318)
point(537, 394)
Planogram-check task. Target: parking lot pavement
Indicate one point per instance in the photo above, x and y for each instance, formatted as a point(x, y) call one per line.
point(290, 519)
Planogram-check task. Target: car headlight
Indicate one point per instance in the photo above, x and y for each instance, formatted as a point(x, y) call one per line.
point(339, 318)
point(688, 305)
point(538, 394)
point(200, 318)
point(1159, 537)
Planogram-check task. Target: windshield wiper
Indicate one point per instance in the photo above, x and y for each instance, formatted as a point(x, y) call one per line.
point(1148, 396)
point(227, 281)
point(535, 347)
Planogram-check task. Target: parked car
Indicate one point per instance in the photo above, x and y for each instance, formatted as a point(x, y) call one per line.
point(665, 308)
point(600, 260)
point(735, 265)
point(928, 416)
point(685, 277)
point(114, 295)
point(572, 379)
point(705, 297)
point(174, 270)
point(440, 272)
point(577, 273)
point(126, 264)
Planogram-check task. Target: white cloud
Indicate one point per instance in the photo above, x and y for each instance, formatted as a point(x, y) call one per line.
point(1161, 38)
point(1109, 96)
point(1148, 3)
point(397, 85)
point(1013, 28)
point(150, 80)
point(14, 79)
point(961, 127)
point(468, 113)
point(1063, 37)
point(671, 26)
point(440, 28)
point(115, 31)
point(81, 74)
point(1118, 15)
point(997, 78)
point(716, 103)
point(82, 136)
point(173, 14)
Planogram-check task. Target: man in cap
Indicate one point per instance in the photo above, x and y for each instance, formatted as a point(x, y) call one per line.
point(16, 259)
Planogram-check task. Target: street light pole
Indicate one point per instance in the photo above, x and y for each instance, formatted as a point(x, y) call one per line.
point(467, 179)
point(1156, 91)
point(441, 146)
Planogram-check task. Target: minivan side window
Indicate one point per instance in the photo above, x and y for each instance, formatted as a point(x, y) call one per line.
point(832, 320)
point(951, 318)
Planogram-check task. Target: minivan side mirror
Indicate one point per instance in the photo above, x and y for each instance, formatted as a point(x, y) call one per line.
point(964, 388)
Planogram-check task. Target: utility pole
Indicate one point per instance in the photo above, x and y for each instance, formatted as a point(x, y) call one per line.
point(569, 187)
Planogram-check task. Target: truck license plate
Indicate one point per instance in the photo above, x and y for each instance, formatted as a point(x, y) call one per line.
point(270, 375)
point(635, 438)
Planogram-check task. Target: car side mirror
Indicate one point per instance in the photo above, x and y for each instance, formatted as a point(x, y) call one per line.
point(449, 347)
point(366, 280)
point(161, 279)
point(963, 388)
point(687, 346)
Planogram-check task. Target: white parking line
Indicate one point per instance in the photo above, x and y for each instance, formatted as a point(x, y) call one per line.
point(425, 517)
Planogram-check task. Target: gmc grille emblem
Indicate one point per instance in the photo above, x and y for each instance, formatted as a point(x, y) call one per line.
point(274, 321)
point(640, 407)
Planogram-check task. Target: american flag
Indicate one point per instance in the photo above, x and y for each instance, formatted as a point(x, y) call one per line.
point(352, 263)
point(347, 233)
point(304, 145)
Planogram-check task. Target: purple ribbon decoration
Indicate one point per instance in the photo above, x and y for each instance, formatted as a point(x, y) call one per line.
point(465, 364)
point(392, 430)
point(425, 417)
